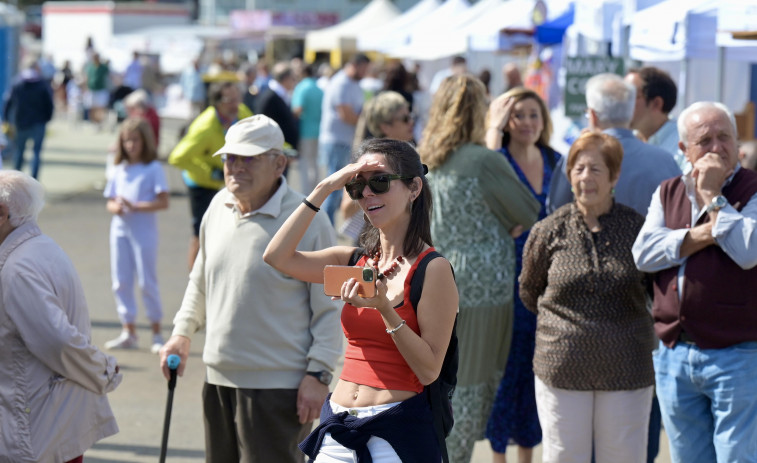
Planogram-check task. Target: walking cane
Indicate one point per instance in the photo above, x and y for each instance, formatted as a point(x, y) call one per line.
point(173, 363)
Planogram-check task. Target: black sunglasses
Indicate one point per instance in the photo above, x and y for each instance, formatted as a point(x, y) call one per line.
point(378, 184)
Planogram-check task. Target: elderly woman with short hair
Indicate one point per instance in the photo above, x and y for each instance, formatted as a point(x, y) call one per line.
point(387, 115)
point(592, 361)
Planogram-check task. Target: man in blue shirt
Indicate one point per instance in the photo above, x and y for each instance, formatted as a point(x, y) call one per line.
point(610, 102)
point(306, 105)
point(656, 96)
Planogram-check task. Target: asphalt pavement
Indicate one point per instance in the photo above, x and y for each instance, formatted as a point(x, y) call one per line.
point(73, 174)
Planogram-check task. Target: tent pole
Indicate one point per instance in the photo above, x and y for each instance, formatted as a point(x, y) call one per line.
point(683, 83)
point(719, 73)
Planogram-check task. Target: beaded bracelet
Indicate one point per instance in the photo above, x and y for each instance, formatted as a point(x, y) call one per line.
point(396, 328)
point(310, 205)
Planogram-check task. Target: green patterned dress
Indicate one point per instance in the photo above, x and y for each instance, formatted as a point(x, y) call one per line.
point(478, 198)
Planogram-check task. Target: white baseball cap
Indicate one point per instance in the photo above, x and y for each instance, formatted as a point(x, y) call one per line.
point(252, 136)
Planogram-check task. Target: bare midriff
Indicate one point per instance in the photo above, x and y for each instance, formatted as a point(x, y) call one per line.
point(349, 394)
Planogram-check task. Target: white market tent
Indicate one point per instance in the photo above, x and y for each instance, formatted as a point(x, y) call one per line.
point(343, 36)
point(443, 18)
point(481, 28)
point(451, 40)
point(395, 33)
point(513, 17)
point(680, 36)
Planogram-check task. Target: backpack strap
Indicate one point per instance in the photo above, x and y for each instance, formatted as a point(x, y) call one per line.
point(356, 255)
point(433, 389)
point(416, 283)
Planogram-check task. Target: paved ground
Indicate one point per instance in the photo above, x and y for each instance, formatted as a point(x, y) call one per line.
point(75, 216)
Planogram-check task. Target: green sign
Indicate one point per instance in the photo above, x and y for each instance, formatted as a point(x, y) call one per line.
point(577, 71)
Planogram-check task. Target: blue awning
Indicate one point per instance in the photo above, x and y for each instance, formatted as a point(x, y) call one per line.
point(552, 32)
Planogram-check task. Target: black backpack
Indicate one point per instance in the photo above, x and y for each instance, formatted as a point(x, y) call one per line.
point(439, 392)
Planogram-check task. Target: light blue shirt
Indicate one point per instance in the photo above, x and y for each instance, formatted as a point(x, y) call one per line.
point(658, 247)
point(644, 167)
point(192, 86)
point(666, 138)
point(308, 96)
point(341, 90)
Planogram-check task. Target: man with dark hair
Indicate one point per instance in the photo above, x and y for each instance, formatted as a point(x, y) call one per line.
point(656, 95)
point(28, 109)
point(342, 103)
point(203, 173)
point(274, 100)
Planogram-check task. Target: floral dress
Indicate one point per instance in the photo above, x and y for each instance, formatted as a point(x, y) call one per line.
point(477, 199)
point(514, 414)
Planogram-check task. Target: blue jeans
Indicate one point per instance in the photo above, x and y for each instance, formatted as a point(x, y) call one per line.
point(337, 155)
point(37, 134)
point(708, 402)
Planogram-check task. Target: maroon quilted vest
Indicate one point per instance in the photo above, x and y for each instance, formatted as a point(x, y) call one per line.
point(719, 305)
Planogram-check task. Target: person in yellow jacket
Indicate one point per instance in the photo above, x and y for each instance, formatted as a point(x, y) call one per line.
point(203, 173)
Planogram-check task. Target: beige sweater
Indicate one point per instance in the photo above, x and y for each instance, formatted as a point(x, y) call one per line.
point(264, 329)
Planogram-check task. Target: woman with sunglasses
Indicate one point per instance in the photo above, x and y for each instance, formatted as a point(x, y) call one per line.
point(387, 115)
point(479, 202)
point(393, 349)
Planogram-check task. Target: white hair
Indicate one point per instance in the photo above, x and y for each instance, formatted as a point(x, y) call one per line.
point(138, 97)
point(22, 195)
point(611, 98)
point(683, 132)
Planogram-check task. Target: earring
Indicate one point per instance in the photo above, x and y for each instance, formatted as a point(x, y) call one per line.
point(612, 192)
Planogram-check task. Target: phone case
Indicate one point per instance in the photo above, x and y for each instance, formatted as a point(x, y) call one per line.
point(334, 277)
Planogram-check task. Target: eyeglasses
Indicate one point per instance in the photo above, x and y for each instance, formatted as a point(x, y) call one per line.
point(232, 159)
point(378, 184)
point(406, 118)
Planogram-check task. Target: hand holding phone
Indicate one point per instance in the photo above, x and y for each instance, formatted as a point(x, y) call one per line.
point(334, 277)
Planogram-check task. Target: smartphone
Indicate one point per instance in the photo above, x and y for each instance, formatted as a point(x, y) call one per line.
point(334, 277)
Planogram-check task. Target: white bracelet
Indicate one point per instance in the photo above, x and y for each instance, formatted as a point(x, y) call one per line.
point(394, 330)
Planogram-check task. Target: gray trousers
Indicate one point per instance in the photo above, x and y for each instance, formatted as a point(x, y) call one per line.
point(252, 425)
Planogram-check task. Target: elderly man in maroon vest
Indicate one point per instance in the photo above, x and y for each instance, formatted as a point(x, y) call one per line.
point(700, 237)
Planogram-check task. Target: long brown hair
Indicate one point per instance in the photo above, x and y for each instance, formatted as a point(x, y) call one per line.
point(402, 159)
point(142, 127)
point(457, 117)
point(519, 94)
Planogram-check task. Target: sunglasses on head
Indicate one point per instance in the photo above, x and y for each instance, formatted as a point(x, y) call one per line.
point(378, 184)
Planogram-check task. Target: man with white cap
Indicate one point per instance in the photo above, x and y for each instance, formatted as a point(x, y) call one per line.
point(271, 341)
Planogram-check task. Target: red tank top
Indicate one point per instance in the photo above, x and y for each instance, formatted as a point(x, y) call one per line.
point(371, 357)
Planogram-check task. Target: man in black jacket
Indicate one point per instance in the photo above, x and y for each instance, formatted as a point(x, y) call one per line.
point(29, 108)
point(273, 101)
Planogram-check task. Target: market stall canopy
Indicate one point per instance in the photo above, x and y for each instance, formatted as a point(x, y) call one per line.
point(510, 25)
point(594, 18)
point(737, 24)
point(443, 19)
point(675, 30)
point(552, 32)
point(343, 36)
point(395, 33)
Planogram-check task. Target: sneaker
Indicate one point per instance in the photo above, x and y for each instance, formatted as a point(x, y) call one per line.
point(123, 341)
point(157, 343)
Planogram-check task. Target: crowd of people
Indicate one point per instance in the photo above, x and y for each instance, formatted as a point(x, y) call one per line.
point(593, 294)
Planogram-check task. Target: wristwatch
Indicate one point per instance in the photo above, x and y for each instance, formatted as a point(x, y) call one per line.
point(717, 203)
point(322, 376)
